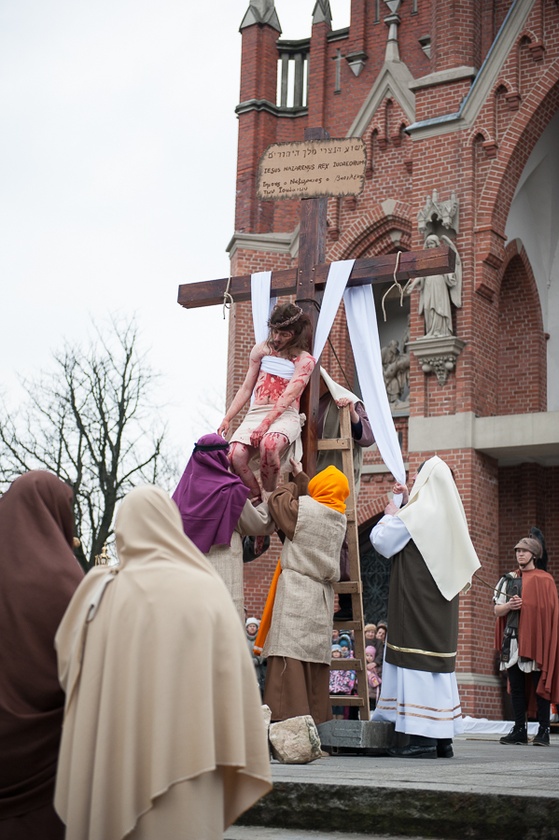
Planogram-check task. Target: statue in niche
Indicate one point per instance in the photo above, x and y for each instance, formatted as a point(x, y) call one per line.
point(396, 372)
point(389, 353)
point(437, 293)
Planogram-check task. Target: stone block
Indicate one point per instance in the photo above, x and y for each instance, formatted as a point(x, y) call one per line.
point(370, 737)
point(295, 740)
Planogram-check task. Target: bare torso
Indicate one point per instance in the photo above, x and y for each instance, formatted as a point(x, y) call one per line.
point(270, 388)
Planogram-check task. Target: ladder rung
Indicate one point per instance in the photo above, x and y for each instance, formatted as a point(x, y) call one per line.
point(347, 665)
point(333, 443)
point(349, 625)
point(348, 587)
point(346, 700)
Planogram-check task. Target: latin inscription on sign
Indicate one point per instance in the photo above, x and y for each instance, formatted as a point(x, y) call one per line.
point(312, 168)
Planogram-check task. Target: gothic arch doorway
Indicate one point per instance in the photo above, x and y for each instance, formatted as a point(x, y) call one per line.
point(375, 577)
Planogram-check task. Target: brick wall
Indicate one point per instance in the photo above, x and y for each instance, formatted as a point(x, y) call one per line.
point(521, 341)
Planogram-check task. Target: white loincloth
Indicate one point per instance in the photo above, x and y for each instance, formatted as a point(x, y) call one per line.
point(289, 423)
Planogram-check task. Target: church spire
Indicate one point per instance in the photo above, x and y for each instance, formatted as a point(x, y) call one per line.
point(392, 52)
point(262, 12)
point(322, 12)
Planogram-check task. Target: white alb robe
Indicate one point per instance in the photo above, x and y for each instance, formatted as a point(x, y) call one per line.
point(416, 702)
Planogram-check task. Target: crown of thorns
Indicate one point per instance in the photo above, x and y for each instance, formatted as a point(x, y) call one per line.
point(281, 325)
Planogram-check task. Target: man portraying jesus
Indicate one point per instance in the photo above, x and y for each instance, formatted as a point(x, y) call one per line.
point(279, 369)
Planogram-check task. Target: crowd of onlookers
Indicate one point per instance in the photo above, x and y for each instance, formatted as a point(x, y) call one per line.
point(342, 681)
point(345, 681)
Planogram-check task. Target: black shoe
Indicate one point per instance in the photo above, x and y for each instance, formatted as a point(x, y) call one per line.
point(413, 751)
point(444, 749)
point(542, 738)
point(517, 735)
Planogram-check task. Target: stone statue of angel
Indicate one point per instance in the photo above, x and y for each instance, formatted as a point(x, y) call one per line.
point(437, 292)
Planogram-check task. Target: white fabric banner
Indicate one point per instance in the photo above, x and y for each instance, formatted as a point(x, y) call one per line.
point(262, 304)
point(338, 275)
point(365, 342)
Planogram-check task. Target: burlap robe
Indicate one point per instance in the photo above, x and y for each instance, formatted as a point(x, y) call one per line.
point(227, 560)
point(302, 618)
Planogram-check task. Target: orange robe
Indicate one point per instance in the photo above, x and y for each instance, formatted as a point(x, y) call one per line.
point(538, 629)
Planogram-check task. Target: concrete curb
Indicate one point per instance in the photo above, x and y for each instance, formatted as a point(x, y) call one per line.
point(452, 815)
point(486, 792)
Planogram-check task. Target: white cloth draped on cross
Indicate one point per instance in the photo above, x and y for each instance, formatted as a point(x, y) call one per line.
point(262, 304)
point(365, 343)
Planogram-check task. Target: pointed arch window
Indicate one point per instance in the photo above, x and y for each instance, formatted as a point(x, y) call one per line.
point(293, 71)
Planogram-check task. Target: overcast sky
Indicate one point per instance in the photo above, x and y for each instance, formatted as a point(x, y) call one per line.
point(117, 171)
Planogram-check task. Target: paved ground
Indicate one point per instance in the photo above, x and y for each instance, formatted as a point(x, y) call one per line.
point(487, 791)
point(479, 766)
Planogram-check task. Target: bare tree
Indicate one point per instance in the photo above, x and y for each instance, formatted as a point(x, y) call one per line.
point(209, 412)
point(90, 420)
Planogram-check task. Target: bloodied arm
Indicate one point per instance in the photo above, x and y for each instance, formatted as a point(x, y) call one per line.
point(304, 366)
point(246, 389)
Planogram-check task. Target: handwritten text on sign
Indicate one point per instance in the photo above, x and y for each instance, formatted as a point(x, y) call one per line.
point(312, 168)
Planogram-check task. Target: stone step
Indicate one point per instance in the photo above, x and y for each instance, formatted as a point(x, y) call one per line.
point(477, 794)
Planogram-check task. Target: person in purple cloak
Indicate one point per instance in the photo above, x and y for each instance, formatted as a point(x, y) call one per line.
point(216, 512)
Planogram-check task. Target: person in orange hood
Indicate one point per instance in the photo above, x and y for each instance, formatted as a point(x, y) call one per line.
point(311, 514)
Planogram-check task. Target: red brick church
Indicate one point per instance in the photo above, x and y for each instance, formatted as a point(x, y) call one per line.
point(457, 103)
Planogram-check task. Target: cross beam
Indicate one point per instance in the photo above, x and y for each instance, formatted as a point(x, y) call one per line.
point(373, 270)
point(305, 285)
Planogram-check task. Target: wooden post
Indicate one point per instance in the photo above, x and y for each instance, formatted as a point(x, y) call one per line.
point(312, 252)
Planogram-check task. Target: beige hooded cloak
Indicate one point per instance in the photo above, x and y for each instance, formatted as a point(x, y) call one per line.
point(163, 731)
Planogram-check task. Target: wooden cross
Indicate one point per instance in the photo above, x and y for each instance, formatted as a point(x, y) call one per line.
point(309, 279)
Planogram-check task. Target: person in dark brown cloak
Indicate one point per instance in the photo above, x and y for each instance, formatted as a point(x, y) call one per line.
point(39, 575)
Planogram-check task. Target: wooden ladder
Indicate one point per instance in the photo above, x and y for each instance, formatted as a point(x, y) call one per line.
point(353, 586)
